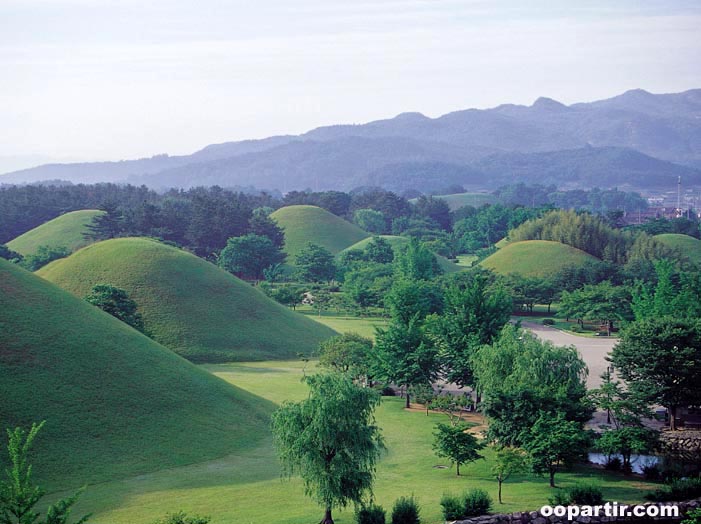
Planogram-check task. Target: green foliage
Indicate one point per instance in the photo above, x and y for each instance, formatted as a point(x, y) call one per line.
point(409, 298)
point(189, 305)
point(453, 507)
point(678, 489)
point(368, 285)
point(554, 442)
point(482, 227)
point(520, 375)
point(370, 220)
point(416, 262)
point(474, 312)
point(248, 256)
point(370, 515)
point(117, 303)
point(454, 442)
point(348, 353)
point(435, 209)
point(585, 232)
point(331, 440)
point(548, 322)
point(315, 264)
point(601, 302)
point(43, 255)
point(693, 517)
point(8, 254)
point(261, 224)
point(108, 224)
point(406, 511)
point(114, 399)
point(379, 250)
point(508, 461)
point(182, 518)
point(476, 502)
point(403, 355)
point(288, 295)
point(585, 494)
point(18, 493)
point(626, 441)
point(660, 359)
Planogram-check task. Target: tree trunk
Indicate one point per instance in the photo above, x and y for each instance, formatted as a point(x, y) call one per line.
point(500, 482)
point(408, 404)
point(327, 517)
point(672, 418)
point(552, 477)
point(457, 468)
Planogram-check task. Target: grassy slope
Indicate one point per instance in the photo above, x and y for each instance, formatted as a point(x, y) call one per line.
point(247, 490)
point(115, 403)
point(688, 245)
point(66, 230)
point(536, 258)
point(458, 200)
point(190, 305)
point(303, 224)
point(398, 242)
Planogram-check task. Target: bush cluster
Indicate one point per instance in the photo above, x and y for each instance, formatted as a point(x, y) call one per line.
point(472, 503)
point(680, 489)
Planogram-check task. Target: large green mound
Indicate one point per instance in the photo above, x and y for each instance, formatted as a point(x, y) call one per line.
point(535, 258)
point(66, 230)
point(190, 305)
point(304, 224)
point(398, 243)
point(687, 245)
point(115, 402)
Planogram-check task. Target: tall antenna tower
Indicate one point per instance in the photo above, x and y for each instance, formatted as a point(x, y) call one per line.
point(679, 196)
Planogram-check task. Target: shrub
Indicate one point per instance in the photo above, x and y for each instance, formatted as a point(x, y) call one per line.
point(614, 464)
point(585, 494)
point(44, 255)
point(453, 507)
point(405, 511)
point(182, 518)
point(370, 515)
point(477, 502)
point(651, 472)
point(575, 328)
point(387, 391)
point(548, 322)
point(561, 498)
point(683, 489)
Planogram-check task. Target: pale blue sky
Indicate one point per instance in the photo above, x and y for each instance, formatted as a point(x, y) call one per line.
point(99, 79)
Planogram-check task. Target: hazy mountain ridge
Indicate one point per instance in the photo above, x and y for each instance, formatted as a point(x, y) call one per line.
point(508, 142)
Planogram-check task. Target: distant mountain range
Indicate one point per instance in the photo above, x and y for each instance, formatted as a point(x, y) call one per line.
point(635, 140)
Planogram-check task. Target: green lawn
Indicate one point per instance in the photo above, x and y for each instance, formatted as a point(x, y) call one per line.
point(245, 488)
point(344, 323)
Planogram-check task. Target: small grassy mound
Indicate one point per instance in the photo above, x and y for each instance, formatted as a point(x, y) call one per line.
point(66, 230)
point(458, 200)
point(189, 305)
point(115, 402)
point(687, 245)
point(398, 243)
point(535, 258)
point(304, 224)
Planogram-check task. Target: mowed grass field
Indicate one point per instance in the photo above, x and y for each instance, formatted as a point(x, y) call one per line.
point(458, 200)
point(63, 231)
point(189, 305)
point(245, 488)
point(399, 242)
point(343, 323)
point(687, 245)
point(116, 403)
point(304, 224)
point(535, 258)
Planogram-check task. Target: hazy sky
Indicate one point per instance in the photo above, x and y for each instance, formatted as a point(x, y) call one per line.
point(99, 79)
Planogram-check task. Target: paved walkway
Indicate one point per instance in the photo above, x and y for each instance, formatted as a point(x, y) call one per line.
point(592, 350)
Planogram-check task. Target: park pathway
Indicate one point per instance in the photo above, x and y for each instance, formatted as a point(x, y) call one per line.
point(592, 350)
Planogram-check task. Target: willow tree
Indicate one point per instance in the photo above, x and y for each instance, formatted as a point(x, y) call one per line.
point(331, 440)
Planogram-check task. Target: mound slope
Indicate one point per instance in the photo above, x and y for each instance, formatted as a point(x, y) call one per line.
point(66, 230)
point(688, 245)
point(115, 402)
point(304, 224)
point(398, 242)
point(189, 305)
point(535, 258)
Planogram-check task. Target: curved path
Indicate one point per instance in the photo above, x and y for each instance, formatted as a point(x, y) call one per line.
point(593, 350)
